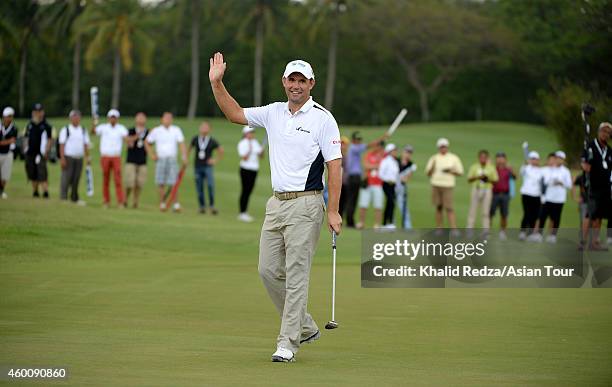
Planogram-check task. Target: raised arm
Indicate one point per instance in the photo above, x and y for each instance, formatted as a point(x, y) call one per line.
point(226, 102)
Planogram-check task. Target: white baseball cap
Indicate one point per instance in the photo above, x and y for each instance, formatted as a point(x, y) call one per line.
point(299, 66)
point(247, 129)
point(560, 154)
point(534, 155)
point(113, 113)
point(8, 111)
point(442, 142)
point(390, 148)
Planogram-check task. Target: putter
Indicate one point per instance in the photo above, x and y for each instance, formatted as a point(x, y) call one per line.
point(333, 324)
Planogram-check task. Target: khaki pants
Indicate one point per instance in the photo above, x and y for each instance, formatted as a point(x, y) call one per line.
point(482, 198)
point(289, 238)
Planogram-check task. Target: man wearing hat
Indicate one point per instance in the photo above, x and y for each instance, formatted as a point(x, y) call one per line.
point(443, 168)
point(481, 176)
point(8, 137)
point(531, 192)
point(249, 151)
point(597, 163)
point(73, 149)
point(303, 138)
point(38, 139)
point(112, 136)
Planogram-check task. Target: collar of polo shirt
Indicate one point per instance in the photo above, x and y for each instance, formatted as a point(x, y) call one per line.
point(305, 107)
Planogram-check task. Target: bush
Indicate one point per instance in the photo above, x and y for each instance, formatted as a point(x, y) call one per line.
point(560, 107)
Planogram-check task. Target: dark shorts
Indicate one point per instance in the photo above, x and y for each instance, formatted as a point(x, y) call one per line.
point(36, 172)
point(599, 206)
point(501, 200)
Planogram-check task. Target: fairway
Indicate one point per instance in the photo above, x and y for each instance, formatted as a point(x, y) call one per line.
point(138, 297)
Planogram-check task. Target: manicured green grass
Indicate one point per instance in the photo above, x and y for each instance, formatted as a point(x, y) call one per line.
point(138, 297)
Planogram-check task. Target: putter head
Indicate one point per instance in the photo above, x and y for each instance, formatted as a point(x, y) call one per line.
point(331, 325)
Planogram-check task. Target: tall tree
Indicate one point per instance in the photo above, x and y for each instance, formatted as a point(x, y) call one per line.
point(117, 26)
point(196, 13)
point(327, 12)
point(432, 41)
point(262, 16)
point(61, 16)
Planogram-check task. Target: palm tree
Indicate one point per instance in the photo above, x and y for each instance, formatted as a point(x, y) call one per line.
point(262, 15)
point(62, 15)
point(326, 12)
point(195, 58)
point(116, 26)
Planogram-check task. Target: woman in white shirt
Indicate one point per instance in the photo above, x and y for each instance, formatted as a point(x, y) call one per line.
point(531, 190)
point(250, 151)
point(558, 180)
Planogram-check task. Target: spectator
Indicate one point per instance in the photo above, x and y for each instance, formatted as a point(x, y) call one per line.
point(74, 147)
point(136, 165)
point(112, 135)
point(371, 190)
point(8, 137)
point(38, 141)
point(167, 138)
point(557, 179)
point(204, 163)
point(344, 146)
point(531, 190)
point(250, 151)
point(501, 193)
point(597, 163)
point(389, 174)
point(354, 172)
point(443, 168)
point(482, 175)
point(407, 169)
point(582, 200)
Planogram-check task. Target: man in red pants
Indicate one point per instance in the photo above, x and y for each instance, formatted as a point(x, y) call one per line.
point(112, 136)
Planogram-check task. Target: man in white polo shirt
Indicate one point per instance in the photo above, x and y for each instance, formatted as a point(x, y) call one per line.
point(303, 137)
point(74, 146)
point(166, 137)
point(112, 136)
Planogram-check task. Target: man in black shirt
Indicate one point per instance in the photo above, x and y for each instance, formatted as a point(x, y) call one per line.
point(204, 162)
point(8, 137)
point(597, 163)
point(136, 165)
point(38, 144)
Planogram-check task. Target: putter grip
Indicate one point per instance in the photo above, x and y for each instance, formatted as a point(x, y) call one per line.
point(333, 239)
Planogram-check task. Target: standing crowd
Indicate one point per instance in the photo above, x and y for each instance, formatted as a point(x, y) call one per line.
point(375, 174)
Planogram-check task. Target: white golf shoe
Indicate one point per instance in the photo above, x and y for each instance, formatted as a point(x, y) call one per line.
point(551, 239)
point(535, 237)
point(502, 236)
point(244, 217)
point(283, 355)
point(522, 236)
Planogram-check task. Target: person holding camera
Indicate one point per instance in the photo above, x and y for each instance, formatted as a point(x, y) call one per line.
point(482, 175)
point(442, 169)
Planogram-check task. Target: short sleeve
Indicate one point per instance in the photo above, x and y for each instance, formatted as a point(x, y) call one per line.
point(329, 140)
point(62, 135)
point(257, 117)
point(99, 129)
point(243, 148)
point(124, 132)
point(131, 132)
point(429, 165)
point(459, 165)
point(86, 139)
point(194, 141)
point(179, 135)
point(152, 136)
point(49, 131)
point(214, 144)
